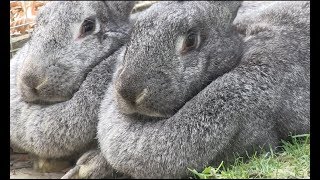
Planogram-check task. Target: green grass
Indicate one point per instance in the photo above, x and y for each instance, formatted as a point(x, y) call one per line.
point(292, 161)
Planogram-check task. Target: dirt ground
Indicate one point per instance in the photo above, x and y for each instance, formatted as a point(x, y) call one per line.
point(21, 168)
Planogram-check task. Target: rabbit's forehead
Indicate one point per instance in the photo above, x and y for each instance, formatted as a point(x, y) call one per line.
point(172, 17)
point(64, 12)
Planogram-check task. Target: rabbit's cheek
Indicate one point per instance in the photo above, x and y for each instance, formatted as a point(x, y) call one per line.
point(49, 93)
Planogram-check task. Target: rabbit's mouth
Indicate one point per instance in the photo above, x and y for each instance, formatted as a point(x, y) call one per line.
point(136, 107)
point(32, 95)
point(129, 110)
point(39, 92)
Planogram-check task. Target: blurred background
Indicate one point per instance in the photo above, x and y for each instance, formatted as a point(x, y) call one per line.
point(22, 15)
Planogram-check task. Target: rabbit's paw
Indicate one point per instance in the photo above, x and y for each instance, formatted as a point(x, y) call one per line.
point(50, 165)
point(91, 165)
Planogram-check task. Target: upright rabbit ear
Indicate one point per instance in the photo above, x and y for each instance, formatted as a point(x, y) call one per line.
point(120, 9)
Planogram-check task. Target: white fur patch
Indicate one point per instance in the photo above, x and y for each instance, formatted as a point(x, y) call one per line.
point(141, 96)
point(75, 28)
point(179, 43)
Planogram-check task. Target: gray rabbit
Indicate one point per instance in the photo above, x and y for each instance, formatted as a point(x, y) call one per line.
point(58, 79)
point(199, 83)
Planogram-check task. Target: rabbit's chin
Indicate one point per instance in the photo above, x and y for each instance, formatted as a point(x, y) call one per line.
point(46, 95)
point(139, 110)
point(44, 101)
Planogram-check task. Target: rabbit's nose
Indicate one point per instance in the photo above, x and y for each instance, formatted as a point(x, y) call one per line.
point(33, 82)
point(131, 94)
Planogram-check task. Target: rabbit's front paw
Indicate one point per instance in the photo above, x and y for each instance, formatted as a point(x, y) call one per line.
point(91, 165)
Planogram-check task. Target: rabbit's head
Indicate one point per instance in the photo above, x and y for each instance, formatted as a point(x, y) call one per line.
point(175, 50)
point(69, 39)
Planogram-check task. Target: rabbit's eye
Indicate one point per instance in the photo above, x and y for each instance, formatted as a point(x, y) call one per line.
point(87, 27)
point(190, 42)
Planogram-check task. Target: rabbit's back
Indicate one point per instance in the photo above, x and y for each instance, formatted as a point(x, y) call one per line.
point(277, 43)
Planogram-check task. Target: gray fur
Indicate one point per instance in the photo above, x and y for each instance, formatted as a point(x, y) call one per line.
point(172, 79)
point(222, 100)
point(60, 119)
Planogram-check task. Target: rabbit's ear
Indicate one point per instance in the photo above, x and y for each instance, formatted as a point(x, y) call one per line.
point(121, 9)
point(231, 6)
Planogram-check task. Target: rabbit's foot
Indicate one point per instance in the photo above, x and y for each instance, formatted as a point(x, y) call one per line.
point(91, 165)
point(50, 165)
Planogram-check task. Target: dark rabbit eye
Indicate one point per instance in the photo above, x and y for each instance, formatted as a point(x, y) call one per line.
point(190, 42)
point(87, 27)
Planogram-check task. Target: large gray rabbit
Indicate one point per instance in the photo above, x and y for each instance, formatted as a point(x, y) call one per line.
point(58, 79)
point(192, 91)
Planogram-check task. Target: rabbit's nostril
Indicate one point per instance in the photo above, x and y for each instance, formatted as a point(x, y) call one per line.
point(33, 82)
point(126, 95)
point(131, 96)
point(30, 81)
